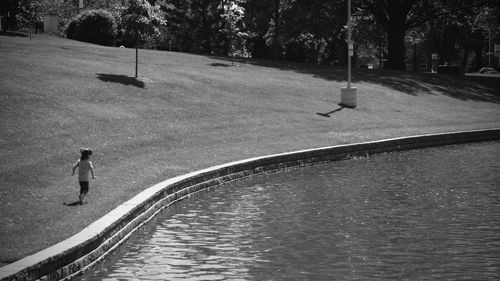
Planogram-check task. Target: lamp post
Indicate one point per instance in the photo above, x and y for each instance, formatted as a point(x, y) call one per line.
point(348, 95)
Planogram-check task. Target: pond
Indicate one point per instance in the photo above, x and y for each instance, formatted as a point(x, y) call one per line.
point(418, 215)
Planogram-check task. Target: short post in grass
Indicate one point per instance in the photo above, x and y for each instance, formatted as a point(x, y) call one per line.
point(136, 59)
point(348, 95)
point(141, 20)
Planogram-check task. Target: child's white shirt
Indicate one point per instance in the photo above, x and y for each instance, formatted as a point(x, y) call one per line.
point(84, 167)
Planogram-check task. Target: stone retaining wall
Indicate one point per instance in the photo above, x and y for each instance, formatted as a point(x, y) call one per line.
point(76, 254)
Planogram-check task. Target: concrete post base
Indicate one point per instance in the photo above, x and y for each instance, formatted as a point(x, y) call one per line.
point(348, 97)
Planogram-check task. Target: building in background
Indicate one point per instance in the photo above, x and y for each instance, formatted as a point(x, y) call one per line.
point(51, 23)
point(51, 20)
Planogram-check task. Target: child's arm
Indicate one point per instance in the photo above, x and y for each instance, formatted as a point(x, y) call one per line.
point(92, 170)
point(74, 167)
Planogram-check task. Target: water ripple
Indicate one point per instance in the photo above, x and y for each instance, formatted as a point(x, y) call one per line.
point(416, 215)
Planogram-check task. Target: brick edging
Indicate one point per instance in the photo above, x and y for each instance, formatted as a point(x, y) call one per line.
point(77, 253)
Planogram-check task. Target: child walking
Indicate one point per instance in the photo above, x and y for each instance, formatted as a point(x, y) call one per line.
point(84, 168)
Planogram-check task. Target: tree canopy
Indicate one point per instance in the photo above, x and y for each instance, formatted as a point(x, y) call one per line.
point(141, 21)
point(232, 15)
point(307, 30)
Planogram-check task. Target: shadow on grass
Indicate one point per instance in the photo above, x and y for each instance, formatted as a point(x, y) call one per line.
point(73, 204)
point(220, 64)
point(121, 79)
point(331, 112)
point(462, 87)
point(12, 34)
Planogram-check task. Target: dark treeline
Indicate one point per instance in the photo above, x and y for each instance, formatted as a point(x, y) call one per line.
point(300, 30)
point(313, 31)
point(388, 32)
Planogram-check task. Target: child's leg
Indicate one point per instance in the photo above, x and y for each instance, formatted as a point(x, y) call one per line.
point(84, 189)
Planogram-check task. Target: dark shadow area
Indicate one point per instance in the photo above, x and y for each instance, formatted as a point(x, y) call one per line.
point(220, 64)
point(73, 204)
point(462, 87)
point(331, 112)
point(121, 79)
point(12, 34)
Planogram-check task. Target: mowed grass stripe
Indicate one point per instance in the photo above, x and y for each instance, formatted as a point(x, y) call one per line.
point(186, 112)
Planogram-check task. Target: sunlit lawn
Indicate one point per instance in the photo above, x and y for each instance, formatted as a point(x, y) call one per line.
point(186, 112)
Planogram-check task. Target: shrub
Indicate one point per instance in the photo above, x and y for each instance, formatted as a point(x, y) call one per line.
point(450, 69)
point(93, 26)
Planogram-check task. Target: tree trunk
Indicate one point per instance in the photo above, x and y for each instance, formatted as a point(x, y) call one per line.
point(277, 19)
point(478, 62)
point(207, 46)
point(465, 59)
point(381, 55)
point(415, 59)
point(136, 55)
point(392, 15)
point(396, 47)
point(231, 49)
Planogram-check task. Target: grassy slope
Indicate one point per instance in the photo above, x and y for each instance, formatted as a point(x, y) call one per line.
point(191, 112)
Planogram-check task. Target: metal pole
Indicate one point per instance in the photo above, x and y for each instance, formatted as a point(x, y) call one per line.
point(348, 95)
point(349, 23)
point(489, 49)
point(136, 59)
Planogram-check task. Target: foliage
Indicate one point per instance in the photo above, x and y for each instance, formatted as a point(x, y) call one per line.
point(233, 14)
point(193, 26)
point(30, 13)
point(309, 31)
point(141, 21)
point(449, 27)
point(299, 30)
point(457, 31)
point(93, 26)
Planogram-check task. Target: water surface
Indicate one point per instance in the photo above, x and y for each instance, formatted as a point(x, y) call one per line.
point(415, 215)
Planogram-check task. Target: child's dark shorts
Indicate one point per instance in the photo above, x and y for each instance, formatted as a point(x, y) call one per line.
point(84, 187)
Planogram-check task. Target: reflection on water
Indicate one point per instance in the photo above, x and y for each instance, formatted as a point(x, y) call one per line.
point(415, 215)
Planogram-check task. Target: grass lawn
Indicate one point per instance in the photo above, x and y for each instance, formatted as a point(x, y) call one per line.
point(187, 112)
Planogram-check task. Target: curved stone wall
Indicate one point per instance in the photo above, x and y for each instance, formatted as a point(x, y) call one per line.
point(74, 255)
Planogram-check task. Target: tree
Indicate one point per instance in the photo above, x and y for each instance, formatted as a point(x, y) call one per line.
point(461, 36)
point(93, 26)
point(141, 20)
point(233, 15)
point(396, 17)
point(275, 35)
point(312, 31)
point(178, 25)
point(30, 13)
point(193, 26)
point(370, 39)
point(8, 8)
point(299, 30)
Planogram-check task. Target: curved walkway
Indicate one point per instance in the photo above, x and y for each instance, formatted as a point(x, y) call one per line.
point(68, 258)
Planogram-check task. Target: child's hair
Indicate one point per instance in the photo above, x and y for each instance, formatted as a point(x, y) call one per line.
point(86, 152)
